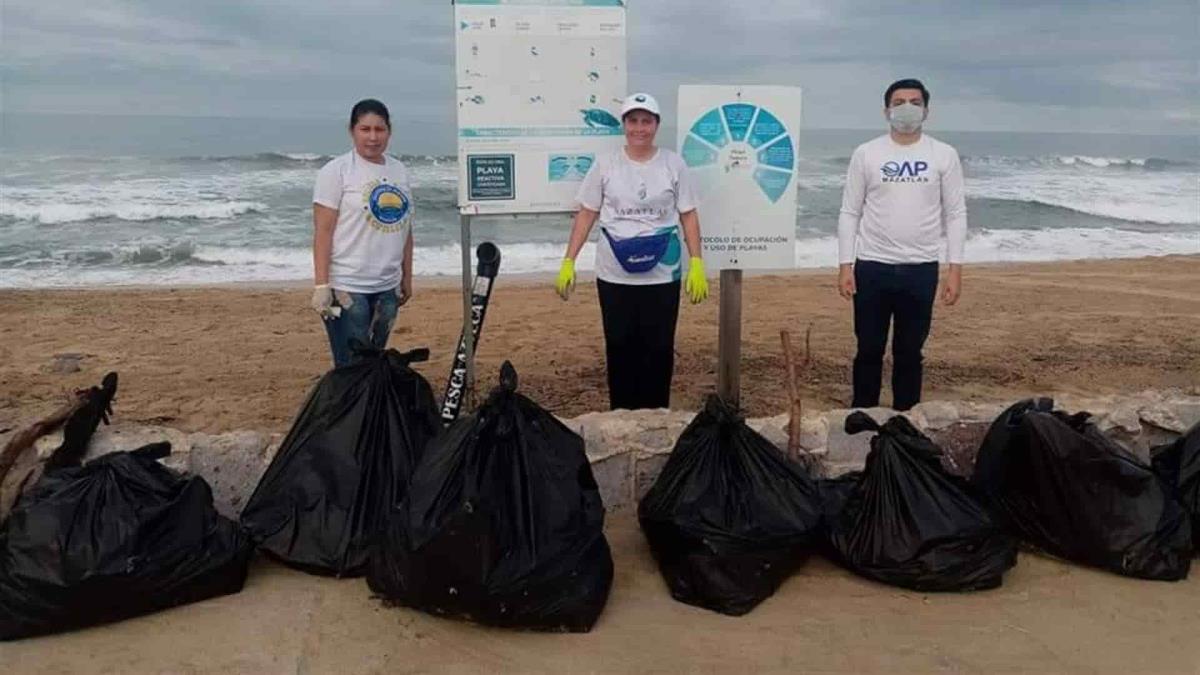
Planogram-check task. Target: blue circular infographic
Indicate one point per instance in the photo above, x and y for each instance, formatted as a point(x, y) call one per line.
point(743, 136)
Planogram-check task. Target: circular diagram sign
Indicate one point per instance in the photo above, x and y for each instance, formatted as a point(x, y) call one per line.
point(742, 139)
point(740, 146)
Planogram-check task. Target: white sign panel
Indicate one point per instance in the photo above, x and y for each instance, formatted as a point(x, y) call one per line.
point(540, 84)
point(741, 144)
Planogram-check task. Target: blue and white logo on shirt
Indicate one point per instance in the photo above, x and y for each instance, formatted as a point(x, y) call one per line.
point(905, 172)
point(387, 207)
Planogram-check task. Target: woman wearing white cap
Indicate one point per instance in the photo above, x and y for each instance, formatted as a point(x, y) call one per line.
point(641, 195)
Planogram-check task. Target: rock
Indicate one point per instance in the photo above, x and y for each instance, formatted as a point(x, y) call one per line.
point(1162, 416)
point(844, 448)
point(814, 435)
point(774, 429)
point(937, 414)
point(835, 469)
point(232, 464)
point(1121, 418)
point(960, 445)
point(65, 364)
point(813, 430)
point(1187, 411)
point(614, 476)
point(646, 470)
point(971, 411)
point(617, 432)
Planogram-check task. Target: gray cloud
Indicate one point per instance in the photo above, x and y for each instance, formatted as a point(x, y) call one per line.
point(1016, 65)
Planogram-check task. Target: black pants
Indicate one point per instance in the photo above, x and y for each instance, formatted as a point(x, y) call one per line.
point(905, 294)
point(639, 342)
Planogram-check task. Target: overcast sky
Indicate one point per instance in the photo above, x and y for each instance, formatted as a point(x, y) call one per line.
point(991, 65)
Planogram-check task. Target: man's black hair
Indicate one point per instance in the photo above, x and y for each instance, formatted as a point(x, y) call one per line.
point(909, 83)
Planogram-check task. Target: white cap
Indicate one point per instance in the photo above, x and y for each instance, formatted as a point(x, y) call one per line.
point(640, 101)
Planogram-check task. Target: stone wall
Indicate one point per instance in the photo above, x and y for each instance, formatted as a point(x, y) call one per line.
point(628, 449)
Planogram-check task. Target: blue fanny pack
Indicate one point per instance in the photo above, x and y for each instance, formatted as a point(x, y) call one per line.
point(640, 254)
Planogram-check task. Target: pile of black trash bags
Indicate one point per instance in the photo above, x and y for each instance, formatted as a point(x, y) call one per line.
point(730, 518)
point(115, 537)
point(499, 519)
point(1061, 485)
point(496, 519)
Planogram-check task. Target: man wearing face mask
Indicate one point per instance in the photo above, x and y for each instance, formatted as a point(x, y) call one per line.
point(903, 198)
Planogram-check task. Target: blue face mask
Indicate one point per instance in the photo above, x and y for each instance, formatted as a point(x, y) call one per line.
point(906, 118)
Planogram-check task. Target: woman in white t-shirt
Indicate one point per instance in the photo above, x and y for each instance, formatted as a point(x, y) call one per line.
point(362, 241)
point(641, 195)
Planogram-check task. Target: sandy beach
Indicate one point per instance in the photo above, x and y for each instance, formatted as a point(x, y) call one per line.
point(237, 357)
point(1049, 617)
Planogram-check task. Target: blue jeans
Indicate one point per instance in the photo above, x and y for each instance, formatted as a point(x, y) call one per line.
point(366, 318)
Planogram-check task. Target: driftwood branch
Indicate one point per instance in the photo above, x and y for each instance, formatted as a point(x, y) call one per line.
point(796, 407)
point(78, 417)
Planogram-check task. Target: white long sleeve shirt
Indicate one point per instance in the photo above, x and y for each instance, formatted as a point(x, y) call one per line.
point(900, 201)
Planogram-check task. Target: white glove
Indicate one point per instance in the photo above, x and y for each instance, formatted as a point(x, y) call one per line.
point(322, 302)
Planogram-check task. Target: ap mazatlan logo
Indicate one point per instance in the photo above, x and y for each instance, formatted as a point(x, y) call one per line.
point(904, 172)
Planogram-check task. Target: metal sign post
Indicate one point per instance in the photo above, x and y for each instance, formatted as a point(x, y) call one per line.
point(536, 86)
point(729, 338)
point(468, 392)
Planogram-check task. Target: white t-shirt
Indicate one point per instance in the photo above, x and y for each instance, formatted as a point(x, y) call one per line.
point(637, 199)
point(375, 210)
point(900, 200)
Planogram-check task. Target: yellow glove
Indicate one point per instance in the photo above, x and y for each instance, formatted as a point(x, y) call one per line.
point(697, 285)
point(566, 279)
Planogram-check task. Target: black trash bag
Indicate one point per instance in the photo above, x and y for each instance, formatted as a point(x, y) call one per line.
point(345, 463)
point(115, 538)
point(503, 524)
point(730, 517)
point(82, 424)
point(1178, 464)
point(1058, 483)
point(905, 521)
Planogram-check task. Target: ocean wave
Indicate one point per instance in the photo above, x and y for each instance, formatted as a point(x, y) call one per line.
point(181, 264)
point(306, 158)
point(1081, 161)
point(1131, 212)
point(57, 214)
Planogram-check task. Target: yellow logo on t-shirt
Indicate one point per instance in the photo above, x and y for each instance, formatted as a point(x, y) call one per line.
point(387, 208)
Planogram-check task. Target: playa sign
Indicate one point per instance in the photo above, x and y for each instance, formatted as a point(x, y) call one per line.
point(539, 84)
point(741, 144)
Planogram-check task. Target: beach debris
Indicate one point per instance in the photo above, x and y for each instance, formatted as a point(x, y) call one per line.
point(120, 536)
point(1061, 485)
point(344, 464)
point(79, 417)
point(729, 518)
point(796, 405)
point(505, 514)
point(905, 521)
